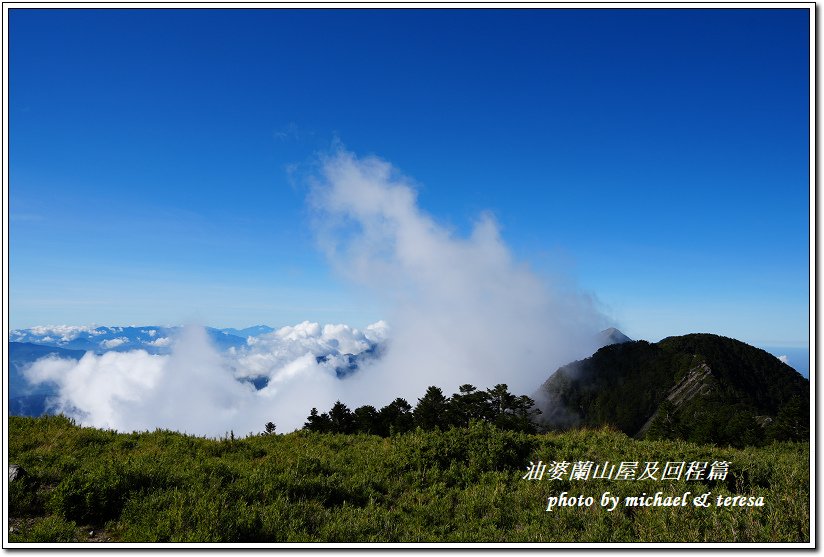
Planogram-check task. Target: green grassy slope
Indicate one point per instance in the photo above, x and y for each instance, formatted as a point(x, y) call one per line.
point(462, 485)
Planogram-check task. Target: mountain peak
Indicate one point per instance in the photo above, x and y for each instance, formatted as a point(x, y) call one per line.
point(701, 387)
point(613, 336)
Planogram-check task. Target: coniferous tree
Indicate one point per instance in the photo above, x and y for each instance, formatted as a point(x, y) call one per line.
point(500, 404)
point(396, 417)
point(525, 414)
point(431, 411)
point(319, 423)
point(469, 404)
point(342, 419)
point(367, 420)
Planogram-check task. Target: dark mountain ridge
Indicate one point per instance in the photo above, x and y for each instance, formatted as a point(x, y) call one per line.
point(700, 387)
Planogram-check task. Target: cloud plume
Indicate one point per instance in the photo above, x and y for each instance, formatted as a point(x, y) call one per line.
point(462, 309)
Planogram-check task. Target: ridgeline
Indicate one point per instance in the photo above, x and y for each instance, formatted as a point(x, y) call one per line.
point(698, 387)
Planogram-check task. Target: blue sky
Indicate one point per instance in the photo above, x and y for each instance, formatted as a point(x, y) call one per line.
point(656, 158)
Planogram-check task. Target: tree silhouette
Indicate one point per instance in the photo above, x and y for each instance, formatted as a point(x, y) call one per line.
point(431, 411)
point(367, 420)
point(468, 404)
point(342, 419)
point(318, 423)
point(396, 417)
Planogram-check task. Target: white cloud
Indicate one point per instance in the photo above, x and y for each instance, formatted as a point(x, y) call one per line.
point(159, 342)
point(784, 359)
point(98, 390)
point(267, 354)
point(65, 333)
point(113, 342)
point(191, 390)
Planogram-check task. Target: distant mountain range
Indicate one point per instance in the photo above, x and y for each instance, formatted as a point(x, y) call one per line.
point(253, 331)
point(153, 339)
point(700, 387)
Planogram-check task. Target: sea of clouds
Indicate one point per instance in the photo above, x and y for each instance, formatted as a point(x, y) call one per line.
point(461, 309)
